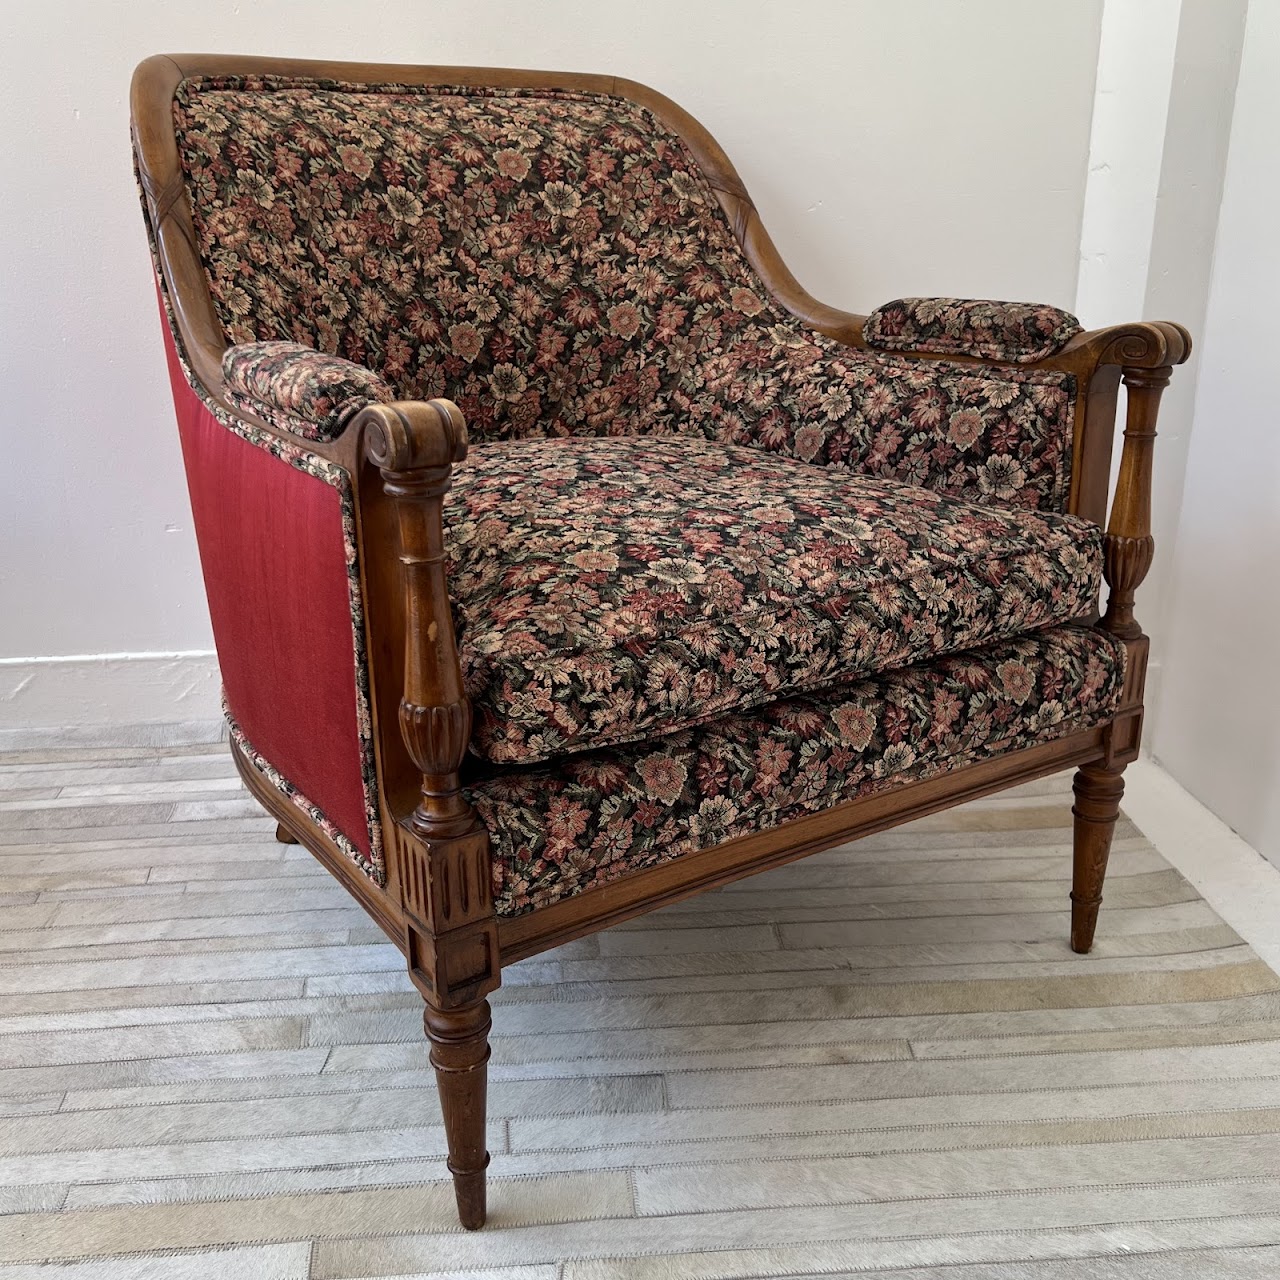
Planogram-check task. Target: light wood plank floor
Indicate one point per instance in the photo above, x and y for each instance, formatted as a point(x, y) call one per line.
point(883, 1058)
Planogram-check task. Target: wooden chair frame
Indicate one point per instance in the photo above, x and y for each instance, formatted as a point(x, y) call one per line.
point(436, 904)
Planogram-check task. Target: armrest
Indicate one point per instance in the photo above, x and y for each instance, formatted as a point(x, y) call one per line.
point(1012, 332)
point(297, 389)
point(415, 445)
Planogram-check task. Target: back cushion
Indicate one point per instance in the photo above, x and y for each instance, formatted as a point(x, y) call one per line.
point(558, 264)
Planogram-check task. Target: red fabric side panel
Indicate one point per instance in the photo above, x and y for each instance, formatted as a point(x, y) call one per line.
point(274, 562)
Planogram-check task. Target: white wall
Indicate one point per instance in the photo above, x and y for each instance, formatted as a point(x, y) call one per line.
point(1218, 724)
point(1158, 153)
point(1130, 111)
point(922, 148)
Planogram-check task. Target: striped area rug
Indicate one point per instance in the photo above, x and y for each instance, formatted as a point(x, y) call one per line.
point(883, 1058)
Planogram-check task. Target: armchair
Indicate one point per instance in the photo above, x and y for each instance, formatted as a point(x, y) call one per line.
point(566, 558)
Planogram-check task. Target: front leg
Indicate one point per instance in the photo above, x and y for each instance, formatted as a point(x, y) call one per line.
point(441, 851)
point(1098, 790)
point(452, 945)
point(460, 1054)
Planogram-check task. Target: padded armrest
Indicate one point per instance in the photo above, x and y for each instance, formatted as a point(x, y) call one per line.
point(298, 389)
point(1016, 332)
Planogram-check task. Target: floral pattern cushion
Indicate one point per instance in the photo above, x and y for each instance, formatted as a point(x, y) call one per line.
point(298, 389)
point(611, 589)
point(558, 265)
point(558, 830)
point(999, 438)
point(1021, 332)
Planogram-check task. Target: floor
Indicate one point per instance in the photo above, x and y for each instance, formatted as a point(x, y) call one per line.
point(882, 1059)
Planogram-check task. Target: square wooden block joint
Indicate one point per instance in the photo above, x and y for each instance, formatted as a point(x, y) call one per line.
point(454, 967)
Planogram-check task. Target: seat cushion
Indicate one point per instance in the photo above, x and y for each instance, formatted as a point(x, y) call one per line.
point(618, 588)
point(578, 823)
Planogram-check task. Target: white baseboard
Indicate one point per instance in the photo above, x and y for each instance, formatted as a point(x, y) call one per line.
point(127, 699)
point(1234, 878)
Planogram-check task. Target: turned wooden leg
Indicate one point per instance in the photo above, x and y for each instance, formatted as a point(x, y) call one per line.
point(460, 1054)
point(1097, 791)
point(284, 835)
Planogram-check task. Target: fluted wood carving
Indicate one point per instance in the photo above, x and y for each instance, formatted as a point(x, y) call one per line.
point(436, 738)
point(447, 892)
point(1125, 564)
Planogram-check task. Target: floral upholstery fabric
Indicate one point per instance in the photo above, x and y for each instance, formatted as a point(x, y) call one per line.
point(590, 819)
point(558, 265)
point(1021, 332)
point(1002, 439)
point(610, 589)
point(297, 388)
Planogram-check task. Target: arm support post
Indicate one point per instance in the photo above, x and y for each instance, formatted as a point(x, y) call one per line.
point(1146, 354)
point(441, 849)
point(1127, 550)
point(415, 447)
point(1128, 546)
